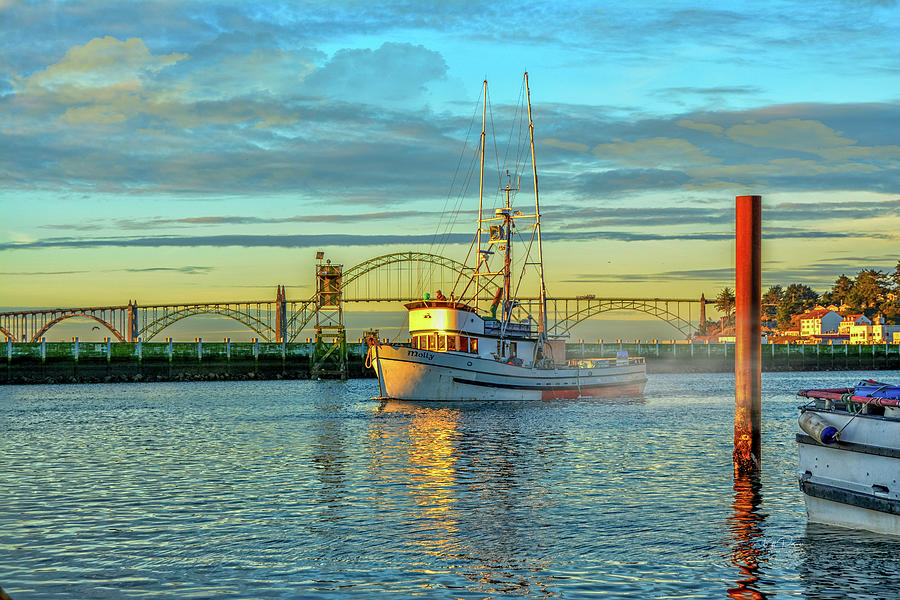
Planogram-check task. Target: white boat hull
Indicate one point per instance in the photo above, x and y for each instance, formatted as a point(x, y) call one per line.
point(410, 374)
point(855, 482)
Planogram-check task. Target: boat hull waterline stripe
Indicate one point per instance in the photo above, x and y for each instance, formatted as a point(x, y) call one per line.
point(545, 388)
point(851, 497)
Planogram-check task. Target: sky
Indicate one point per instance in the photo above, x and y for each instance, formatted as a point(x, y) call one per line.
point(205, 150)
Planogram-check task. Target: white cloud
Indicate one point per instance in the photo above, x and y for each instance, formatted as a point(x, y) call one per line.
point(654, 152)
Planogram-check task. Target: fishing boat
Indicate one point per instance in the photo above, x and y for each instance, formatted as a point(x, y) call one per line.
point(849, 456)
point(487, 341)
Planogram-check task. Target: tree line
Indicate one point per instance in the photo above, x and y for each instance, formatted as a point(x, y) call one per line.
point(871, 292)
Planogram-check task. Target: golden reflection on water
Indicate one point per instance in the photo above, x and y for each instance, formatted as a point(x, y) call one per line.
point(748, 548)
point(424, 452)
point(429, 469)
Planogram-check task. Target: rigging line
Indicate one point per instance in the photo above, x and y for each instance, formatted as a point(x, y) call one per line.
point(451, 222)
point(517, 117)
point(496, 153)
point(455, 174)
point(525, 259)
point(460, 274)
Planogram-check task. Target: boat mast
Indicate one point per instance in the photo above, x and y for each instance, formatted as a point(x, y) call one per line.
point(479, 257)
point(542, 309)
point(507, 259)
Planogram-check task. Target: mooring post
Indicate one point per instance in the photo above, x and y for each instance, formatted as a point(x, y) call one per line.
point(747, 358)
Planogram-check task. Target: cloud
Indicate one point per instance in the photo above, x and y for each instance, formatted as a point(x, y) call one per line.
point(573, 146)
point(100, 63)
point(187, 270)
point(160, 222)
point(711, 91)
point(33, 273)
point(654, 152)
point(717, 275)
point(707, 127)
point(630, 179)
point(789, 134)
point(102, 81)
point(394, 73)
point(331, 240)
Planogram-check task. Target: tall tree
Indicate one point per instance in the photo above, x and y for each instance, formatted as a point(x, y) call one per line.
point(725, 302)
point(773, 295)
point(770, 301)
point(841, 289)
point(802, 294)
point(797, 299)
point(870, 288)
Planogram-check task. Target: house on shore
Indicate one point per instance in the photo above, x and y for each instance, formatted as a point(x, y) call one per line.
point(819, 321)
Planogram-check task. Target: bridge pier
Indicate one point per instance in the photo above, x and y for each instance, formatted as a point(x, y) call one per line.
point(280, 314)
point(131, 324)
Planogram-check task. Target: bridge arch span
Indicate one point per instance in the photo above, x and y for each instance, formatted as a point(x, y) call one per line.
point(155, 327)
point(37, 336)
point(652, 308)
point(8, 335)
point(355, 275)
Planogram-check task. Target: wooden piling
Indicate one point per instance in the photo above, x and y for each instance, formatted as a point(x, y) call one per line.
point(747, 360)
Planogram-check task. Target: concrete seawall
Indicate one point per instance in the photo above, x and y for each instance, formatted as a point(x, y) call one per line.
point(73, 362)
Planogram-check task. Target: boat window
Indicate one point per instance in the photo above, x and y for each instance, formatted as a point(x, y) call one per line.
point(431, 341)
point(499, 348)
point(451, 343)
point(441, 342)
point(512, 349)
point(463, 343)
point(473, 345)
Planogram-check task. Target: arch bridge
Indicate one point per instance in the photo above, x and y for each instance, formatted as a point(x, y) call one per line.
point(396, 277)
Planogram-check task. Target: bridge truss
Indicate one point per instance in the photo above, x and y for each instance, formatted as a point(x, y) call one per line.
point(397, 277)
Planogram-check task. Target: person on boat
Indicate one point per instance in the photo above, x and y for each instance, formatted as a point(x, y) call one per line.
point(439, 296)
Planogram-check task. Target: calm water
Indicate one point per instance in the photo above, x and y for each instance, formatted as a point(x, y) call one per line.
point(298, 489)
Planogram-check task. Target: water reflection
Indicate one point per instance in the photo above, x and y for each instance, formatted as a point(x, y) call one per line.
point(748, 545)
point(472, 500)
point(837, 563)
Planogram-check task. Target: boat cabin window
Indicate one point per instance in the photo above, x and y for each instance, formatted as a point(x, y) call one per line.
point(512, 349)
point(439, 342)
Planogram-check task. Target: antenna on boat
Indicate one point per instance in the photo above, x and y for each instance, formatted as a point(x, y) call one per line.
point(542, 309)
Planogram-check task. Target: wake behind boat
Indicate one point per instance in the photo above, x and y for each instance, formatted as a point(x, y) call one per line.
point(460, 352)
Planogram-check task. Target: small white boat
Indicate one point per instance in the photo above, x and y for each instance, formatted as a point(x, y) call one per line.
point(460, 352)
point(849, 456)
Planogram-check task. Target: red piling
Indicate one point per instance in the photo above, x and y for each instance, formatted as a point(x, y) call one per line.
point(747, 358)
